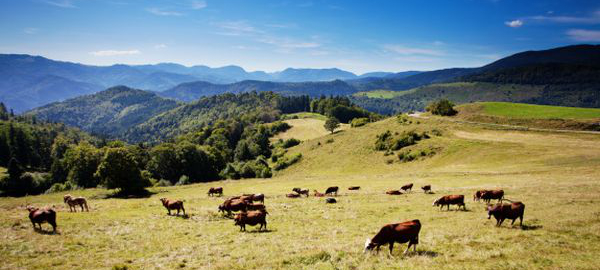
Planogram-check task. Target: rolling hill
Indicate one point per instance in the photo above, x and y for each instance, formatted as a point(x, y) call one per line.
point(110, 112)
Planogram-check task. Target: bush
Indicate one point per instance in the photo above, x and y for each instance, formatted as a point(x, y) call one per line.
point(278, 127)
point(387, 142)
point(60, 187)
point(286, 162)
point(403, 119)
point(163, 183)
point(118, 170)
point(183, 180)
point(359, 122)
point(441, 107)
point(290, 143)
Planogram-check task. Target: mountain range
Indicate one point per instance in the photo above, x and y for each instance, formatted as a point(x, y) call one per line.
point(28, 81)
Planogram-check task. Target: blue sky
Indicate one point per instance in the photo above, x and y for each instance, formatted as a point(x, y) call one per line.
point(359, 36)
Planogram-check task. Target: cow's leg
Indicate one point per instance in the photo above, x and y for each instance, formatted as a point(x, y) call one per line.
point(501, 220)
point(168, 211)
point(408, 247)
point(33, 223)
point(178, 209)
point(521, 220)
point(391, 247)
point(448, 207)
point(513, 222)
point(81, 205)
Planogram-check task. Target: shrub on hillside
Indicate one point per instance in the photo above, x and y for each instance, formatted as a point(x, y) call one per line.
point(359, 122)
point(290, 143)
point(285, 162)
point(441, 107)
point(388, 142)
point(163, 183)
point(403, 119)
point(183, 180)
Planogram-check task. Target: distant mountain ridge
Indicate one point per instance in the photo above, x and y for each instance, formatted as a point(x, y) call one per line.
point(63, 80)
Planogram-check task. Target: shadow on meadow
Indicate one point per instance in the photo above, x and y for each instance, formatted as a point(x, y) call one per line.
point(46, 232)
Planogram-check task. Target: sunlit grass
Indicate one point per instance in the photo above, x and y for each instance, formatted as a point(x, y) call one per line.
point(555, 175)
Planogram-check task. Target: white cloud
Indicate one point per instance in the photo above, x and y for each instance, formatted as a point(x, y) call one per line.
point(514, 24)
point(30, 30)
point(60, 3)
point(161, 12)
point(114, 53)
point(238, 28)
point(584, 35)
point(403, 50)
point(160, 46)
point(198, 4)
point(593, 18)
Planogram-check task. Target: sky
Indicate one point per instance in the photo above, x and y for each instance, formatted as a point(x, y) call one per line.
point(358, 36)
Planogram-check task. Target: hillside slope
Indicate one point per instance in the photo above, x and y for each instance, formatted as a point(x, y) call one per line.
point(110, 112)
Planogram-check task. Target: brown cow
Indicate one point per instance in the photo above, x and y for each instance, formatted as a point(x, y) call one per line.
point(292, 195)
point(488, 195)
point(74, 202)
point(257, 197)
point(301, 191)
point(502, 211)
point(451, 199)
point(332, 191)
point(407, 231)
point(426, 189)
point(393, 192)
point(251, 218)
point(318, 194)
point(477, 195)
point(39, 216)
point(173, 205)
point(354, 188)
point(407, 187)
point(255, 206)
point(233, 205)
point(215, 190)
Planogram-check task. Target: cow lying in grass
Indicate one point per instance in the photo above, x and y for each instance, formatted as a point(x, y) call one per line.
point(292, 195)
point(43, 215)
point(450, 199)
point(173, 205)
point(301, 191)
point(354, 188)
point(407, 231)
point(251, 218)
point(393, 192)
point(73, 202)
point(507, 211)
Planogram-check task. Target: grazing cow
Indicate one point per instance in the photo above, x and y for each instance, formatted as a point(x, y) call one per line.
point(215, 190)
point(39, 216)
point(504, 211)
point(292, 195)
point(426, 189)
point(318, 194)
point(233, 205)
point(332, 191)
point(173, 205)
point(477, 195)
point(251, 218)
point(301, 191)
point(354, 188)
point(74, 202)
point(330, 200)
point(407, 231)
point(451, 199)
point(254, 207)
point(488, 195)
point(246, 198)
point(258, 197)
point(407, 187)
point(393, 192)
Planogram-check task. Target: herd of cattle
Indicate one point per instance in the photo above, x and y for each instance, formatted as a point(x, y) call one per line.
point(251, 213)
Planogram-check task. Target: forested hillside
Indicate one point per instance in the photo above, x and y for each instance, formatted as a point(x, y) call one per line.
point(108, 113)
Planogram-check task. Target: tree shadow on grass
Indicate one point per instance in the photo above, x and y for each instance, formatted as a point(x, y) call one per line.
point(120, 195)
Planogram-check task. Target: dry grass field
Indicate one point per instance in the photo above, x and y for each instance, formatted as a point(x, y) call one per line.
point(307, 128)
point(555, 175)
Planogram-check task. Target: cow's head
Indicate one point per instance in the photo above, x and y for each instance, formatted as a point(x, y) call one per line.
point(163, 200)
point(436, 202)
point(31, 208)
point(491, 209)
point(369, 245)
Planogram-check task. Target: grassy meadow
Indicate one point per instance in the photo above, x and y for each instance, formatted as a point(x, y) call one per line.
point(383, 94)
point(554, 174)
point(308, 126)
point(520, 110)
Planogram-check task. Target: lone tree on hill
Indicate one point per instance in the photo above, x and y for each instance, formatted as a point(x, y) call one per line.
point(332, 124)
point(442, 107)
